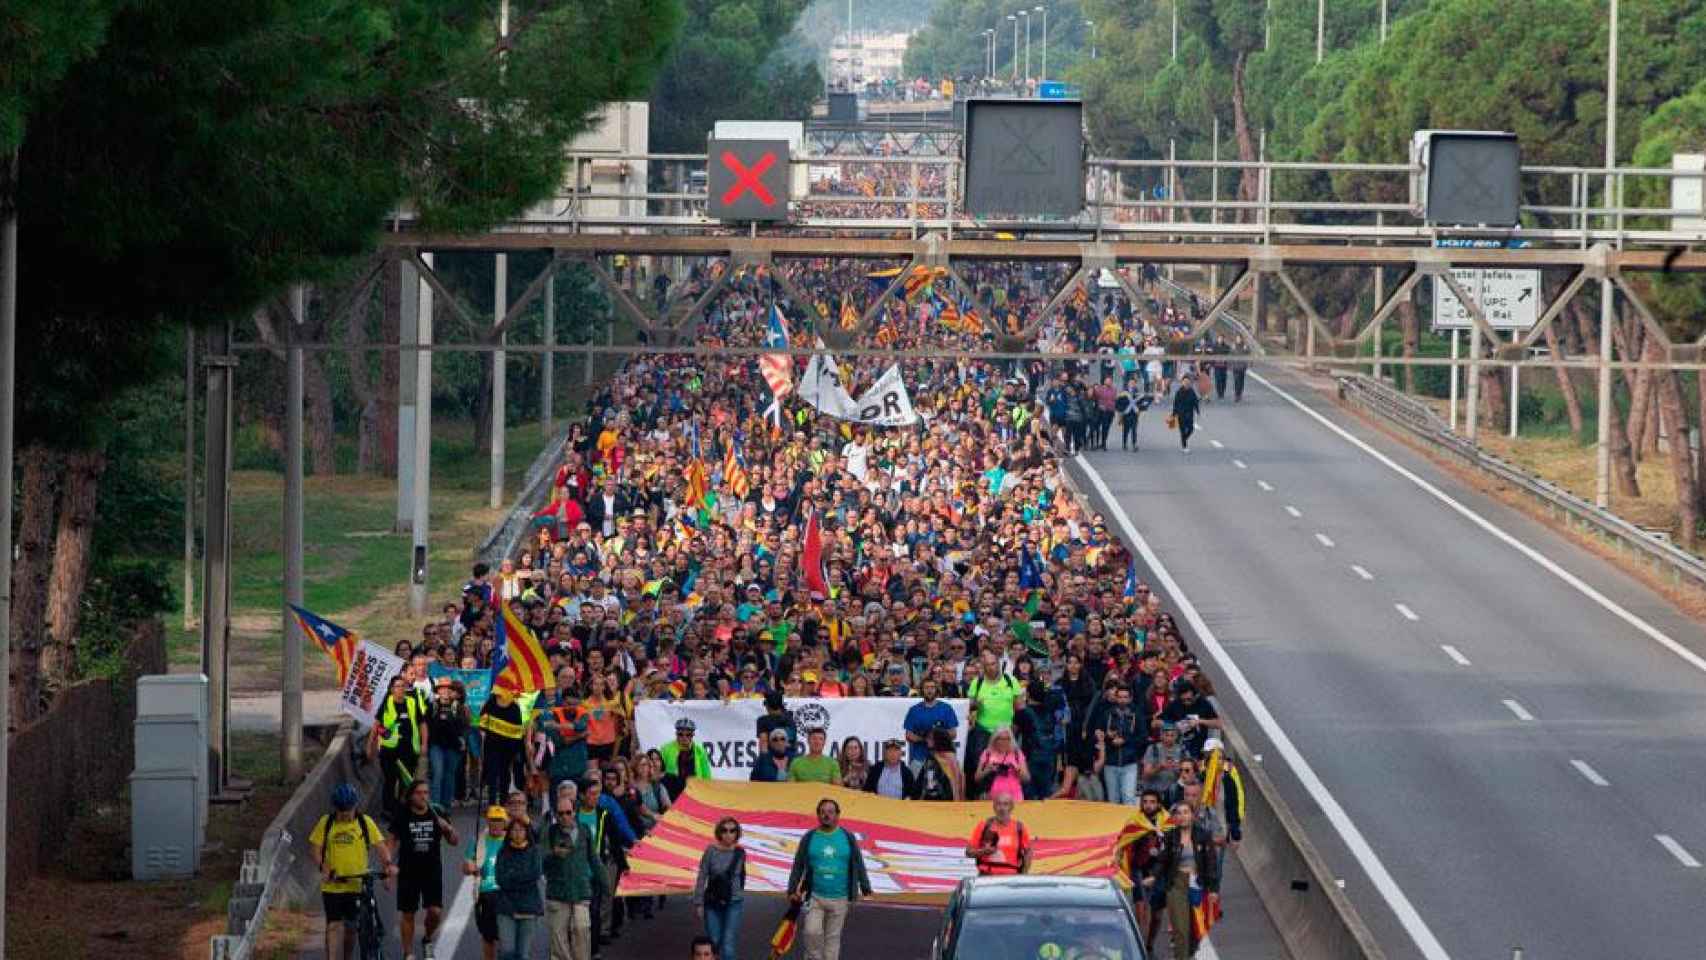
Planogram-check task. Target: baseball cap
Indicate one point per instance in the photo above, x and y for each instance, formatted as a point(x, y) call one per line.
point(495, 812)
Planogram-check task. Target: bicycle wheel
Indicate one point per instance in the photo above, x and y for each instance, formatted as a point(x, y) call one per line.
point(370, 932)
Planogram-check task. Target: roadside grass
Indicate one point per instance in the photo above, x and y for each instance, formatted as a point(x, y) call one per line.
point(355, 565)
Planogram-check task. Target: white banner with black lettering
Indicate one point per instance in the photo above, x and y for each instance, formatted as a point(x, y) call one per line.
point(729, 731)
point(885, 404)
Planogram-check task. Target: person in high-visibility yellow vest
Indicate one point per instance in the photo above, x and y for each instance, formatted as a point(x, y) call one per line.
point(399, 740)
point(683, 757)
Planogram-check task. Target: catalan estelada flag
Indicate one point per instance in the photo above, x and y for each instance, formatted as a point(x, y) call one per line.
point(338, 643)
point(519, 662)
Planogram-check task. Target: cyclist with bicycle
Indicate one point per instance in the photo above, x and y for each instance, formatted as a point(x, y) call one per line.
point(417, 834)
point(340, 845)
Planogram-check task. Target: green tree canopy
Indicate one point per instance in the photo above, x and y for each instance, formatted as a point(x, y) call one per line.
point(727, 66)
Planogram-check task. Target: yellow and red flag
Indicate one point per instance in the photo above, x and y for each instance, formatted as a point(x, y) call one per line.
point(914, 852)
point(849, 316)
point(520, 663)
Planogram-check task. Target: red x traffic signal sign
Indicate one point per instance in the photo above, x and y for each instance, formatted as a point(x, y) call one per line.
point(747, 180)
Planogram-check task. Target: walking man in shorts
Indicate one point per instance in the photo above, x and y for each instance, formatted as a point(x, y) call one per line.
point(416, 837)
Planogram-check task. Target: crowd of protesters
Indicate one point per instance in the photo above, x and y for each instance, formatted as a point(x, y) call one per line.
point(958, 563)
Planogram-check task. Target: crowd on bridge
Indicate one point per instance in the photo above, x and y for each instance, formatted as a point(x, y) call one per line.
point(709, 537)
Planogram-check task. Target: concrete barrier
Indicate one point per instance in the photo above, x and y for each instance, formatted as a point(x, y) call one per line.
point(1314, 917)
point(287, 835)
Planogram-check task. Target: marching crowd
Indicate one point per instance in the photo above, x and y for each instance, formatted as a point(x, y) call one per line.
point(672, 562)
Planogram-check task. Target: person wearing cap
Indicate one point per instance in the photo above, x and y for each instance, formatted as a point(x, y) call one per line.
point(682, 756)
point(892, 778)
point(778, 717)
point(447, 728)
point(774, 759)
point(481, 860)
point(816, 766)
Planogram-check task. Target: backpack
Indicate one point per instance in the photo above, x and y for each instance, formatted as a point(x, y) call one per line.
point(720, 886)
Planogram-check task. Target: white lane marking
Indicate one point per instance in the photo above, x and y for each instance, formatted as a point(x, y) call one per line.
point(1207, 952)
point(1295, 513)
point(1590, 773)
point(1518, 709)
point(1324, 540)
point(1359, 571)
point(1406, 612)
point(1266, 486)
point(1216, 444)
point(1455, 654)
point(1658, 636)
point(1682, 856)
point(1240, 464)
point(1394, 896)
point(449, 935)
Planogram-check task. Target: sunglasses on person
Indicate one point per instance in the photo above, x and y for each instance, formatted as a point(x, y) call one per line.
point(565, 813)
point(723, 830)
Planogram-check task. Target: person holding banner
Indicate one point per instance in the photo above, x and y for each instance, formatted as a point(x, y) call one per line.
point(1000, 845)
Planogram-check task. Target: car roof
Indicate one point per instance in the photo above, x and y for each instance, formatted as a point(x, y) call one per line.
point(1032, 891)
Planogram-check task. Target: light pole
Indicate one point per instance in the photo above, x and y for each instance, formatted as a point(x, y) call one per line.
point(1015, 18)
point(1092, 25)
point(1320, 29)
point(988, 52)
point(1175, 31)
point(1026, 15)
point(1602, 453)
point(1044, 11)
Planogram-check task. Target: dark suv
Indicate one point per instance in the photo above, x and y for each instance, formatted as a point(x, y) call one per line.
point(1038, 918)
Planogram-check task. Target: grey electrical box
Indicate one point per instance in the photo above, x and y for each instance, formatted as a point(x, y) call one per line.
point(163, 825)
point(171, 733)
point(1466, 178)
point(1024, 159)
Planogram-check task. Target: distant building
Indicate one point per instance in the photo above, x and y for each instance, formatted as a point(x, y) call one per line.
point(607, 173)
point(866, 58)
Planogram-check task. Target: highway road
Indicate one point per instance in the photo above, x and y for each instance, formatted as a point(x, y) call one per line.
point(1494, 736)
point(873, 930)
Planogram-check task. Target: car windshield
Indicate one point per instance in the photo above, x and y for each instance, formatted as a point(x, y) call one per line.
point(1047, 933)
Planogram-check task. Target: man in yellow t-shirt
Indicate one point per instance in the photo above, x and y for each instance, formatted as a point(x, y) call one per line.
point(339, 846)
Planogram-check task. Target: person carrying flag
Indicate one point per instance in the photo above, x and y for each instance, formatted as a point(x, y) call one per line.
point(1187, 870)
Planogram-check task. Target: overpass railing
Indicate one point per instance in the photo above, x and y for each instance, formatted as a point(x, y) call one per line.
point(1208, 201)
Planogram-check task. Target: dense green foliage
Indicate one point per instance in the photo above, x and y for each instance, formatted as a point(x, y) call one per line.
point(39, 41)
point(727, 66)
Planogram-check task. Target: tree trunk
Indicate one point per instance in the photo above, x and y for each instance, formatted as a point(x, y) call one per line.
point(1493, 410)
point(40, 469)
point(1622, 464)
point(83, 471)
point(483, 407)
point(1638, 345)
point(390, 367)
point(1566, 383)
point(361, 383)
point(1669, 399)
point(1248, 184)
point(1412, 340)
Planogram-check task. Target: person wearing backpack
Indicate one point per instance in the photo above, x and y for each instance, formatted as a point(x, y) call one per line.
point(1042, 737)
point(339, 845)
point(1000, 845)
point(993, 694)
point(719, 893)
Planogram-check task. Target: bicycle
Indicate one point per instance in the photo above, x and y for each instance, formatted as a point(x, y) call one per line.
point(369, 925)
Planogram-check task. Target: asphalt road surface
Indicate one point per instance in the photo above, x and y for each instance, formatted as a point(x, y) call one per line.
point(873, 931)
point(1499, 734)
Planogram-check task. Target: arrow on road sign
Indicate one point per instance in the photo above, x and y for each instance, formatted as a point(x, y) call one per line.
point(1526, 293)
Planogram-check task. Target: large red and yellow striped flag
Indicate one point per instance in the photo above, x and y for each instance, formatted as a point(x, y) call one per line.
point(521, 663)
point(914, 852)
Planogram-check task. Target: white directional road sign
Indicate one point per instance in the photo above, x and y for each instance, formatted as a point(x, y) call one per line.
point(1509, 298)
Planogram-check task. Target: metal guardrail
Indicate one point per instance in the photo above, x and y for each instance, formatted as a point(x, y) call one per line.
point(506, 534)
point(1667, 558)
point(257, 881)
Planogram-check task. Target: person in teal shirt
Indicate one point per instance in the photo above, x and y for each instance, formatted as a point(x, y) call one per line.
point(482, 861)
point(828, 876)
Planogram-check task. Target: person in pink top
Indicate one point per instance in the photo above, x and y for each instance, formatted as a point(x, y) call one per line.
point(1001, 769)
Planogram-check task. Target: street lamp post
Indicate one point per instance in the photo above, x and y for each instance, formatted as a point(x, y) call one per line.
point(1015, 18)
point(1092, 25)
point(1175, 30)
point(1044, 11)
point(1026, 16)
point(1320, 29)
